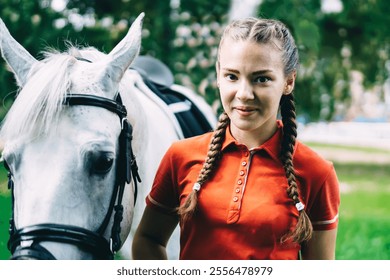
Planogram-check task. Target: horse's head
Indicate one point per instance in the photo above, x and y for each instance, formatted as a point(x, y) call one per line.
point(66, 144)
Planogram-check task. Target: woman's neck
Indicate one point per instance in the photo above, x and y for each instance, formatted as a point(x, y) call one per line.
point(254, 138)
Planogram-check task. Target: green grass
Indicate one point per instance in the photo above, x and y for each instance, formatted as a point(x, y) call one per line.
point(5, 206)
point(364, 227)
point(5, 209)
point(363, 239)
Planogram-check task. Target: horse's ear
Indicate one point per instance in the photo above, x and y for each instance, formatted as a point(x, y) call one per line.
point(16, 56)
point(127, 49)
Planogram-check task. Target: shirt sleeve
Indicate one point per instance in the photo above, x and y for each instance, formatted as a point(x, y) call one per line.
point(163, 196)
point(325, 211)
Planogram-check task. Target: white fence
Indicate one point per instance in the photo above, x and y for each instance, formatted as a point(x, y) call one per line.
point(347, 133)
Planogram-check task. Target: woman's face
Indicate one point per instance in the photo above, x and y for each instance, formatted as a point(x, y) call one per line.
point(251, 81)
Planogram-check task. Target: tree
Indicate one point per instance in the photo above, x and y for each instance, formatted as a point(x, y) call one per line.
point(185, 36)
point(31, 24)
point(331, 46)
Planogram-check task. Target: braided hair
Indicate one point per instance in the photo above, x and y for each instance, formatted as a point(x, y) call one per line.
point(261, 31)
point(188, 208)
point(303, 230)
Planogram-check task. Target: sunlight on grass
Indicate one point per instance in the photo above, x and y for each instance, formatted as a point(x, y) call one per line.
point(364, 223)
point(363, 238)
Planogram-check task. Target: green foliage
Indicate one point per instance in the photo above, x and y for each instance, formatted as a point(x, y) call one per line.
point(199, 27)
point(31, 24)
point(185, 37)
point(333, 44)
point(158, 32)
point(189, 32)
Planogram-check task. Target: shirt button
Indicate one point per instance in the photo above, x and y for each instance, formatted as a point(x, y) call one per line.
point(242, 172)
point(243, 163)
point(237, 190)
point(235, 199)
point(239, 182)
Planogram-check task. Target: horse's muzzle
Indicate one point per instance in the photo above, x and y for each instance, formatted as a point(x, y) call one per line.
point(25, 242)
point(33, 252)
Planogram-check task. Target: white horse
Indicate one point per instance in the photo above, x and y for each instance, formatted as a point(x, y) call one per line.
point(70, 147)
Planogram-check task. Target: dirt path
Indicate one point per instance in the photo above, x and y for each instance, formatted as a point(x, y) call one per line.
point(347, 156)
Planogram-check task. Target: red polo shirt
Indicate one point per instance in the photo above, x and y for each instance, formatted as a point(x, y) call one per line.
point(243, 209)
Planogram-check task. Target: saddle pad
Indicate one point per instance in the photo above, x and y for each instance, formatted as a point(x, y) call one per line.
point(191, 119)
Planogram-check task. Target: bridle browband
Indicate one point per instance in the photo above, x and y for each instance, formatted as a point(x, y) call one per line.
point(24, 242)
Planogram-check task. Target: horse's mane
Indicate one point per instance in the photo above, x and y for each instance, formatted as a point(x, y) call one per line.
point(39, 103)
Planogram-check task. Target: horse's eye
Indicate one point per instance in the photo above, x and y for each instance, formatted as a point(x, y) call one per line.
point(103, 164)
point(100, 162)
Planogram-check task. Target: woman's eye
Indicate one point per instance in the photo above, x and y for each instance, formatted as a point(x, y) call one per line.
point(231, 77)
point(261, 79)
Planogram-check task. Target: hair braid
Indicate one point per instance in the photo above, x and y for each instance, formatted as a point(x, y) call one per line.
point(303, 229)
point(188, 208)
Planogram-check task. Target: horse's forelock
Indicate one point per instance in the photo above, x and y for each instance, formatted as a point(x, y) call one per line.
point(39, 102)
point(89, 53)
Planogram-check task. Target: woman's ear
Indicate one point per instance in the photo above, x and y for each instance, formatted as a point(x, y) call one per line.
point(290, 83)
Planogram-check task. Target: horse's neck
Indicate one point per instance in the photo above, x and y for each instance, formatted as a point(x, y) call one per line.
point(153, 129)
point(153, 132)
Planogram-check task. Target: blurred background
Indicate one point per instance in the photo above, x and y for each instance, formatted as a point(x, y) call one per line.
point(342, 88)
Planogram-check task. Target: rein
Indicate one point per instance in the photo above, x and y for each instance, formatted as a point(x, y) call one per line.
point(24, 242)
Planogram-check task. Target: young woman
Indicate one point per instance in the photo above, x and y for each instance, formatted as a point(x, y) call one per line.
point(249, 190)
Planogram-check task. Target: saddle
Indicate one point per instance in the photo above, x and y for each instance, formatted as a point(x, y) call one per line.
point(159, 79)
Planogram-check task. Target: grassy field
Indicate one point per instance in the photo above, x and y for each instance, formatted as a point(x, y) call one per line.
point(364, 175)
point(5, 207)
point(364, 227)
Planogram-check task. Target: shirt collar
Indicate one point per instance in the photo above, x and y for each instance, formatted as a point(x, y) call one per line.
point(272, 146)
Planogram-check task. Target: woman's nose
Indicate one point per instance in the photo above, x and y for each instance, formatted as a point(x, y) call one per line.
point(245, 91)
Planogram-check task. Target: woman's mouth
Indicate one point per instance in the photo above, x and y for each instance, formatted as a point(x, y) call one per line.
point(244, 110)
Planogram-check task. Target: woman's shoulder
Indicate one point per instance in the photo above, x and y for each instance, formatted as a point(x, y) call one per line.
point(304, 152)
point(308, 162)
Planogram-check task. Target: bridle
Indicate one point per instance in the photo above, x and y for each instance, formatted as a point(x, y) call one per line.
point(25, 242)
